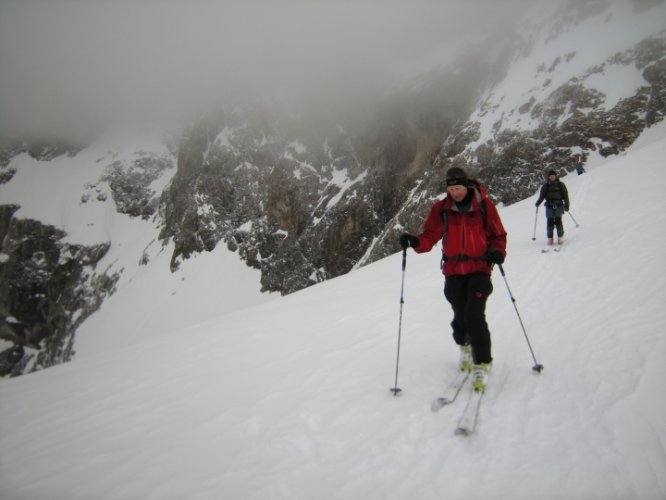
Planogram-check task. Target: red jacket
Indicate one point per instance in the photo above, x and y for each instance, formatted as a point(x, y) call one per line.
point(467, 235)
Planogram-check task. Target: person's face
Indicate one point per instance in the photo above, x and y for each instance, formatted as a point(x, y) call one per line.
point(551, 178)
point(457, 192)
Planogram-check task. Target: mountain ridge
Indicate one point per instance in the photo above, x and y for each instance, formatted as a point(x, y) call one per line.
point(302, 201)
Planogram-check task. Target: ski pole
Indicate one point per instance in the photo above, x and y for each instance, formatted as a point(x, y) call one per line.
point(537, 367)
point(395, 389)
point(572, 218)
point(535, 223)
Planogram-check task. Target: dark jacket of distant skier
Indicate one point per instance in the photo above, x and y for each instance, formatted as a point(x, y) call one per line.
point(555, 193)
point(556, 196)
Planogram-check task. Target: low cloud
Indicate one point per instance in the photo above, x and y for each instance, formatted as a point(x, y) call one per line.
point(67, 64)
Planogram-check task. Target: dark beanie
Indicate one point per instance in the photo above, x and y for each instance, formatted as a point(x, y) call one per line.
point(456, 176)
point(552, 172)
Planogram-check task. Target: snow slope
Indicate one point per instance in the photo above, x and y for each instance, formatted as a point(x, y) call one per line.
point(581, 54)
point(290, 399)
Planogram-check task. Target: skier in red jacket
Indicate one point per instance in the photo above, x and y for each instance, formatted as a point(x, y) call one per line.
point(473, 239)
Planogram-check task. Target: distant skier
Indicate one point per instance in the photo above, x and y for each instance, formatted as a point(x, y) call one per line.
point(554, 193)
point(580, 170)
point(473, 239)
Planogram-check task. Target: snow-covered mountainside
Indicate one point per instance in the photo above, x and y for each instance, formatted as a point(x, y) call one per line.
point(275, 199)
point(290, 399)
point(583, 85)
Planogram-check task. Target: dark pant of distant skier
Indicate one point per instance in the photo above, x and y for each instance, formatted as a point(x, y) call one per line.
point(554, 220)
point(467, 295)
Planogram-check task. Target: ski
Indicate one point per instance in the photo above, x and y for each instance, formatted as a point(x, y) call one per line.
point(555, 248)
point(452, 390)
point(470, 415)
point(548, 248)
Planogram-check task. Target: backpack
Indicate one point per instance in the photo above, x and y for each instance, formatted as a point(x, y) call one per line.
point(550, 188)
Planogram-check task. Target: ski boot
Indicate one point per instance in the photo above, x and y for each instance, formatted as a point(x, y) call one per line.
point(465, 363)
point(480, 376)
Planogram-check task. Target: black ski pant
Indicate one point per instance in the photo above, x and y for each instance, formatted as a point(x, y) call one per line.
point(467, 295)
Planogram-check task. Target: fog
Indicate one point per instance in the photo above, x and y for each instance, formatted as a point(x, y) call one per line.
point(72, 64)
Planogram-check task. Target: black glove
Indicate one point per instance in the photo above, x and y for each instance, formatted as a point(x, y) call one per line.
point(494, 257)
point(537, 204)
point(407, 240)
point(566, 208)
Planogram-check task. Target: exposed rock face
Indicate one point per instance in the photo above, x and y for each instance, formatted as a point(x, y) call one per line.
point(573, 118)
point(303, 202)
point(130, 186)
point(301, 211)
point(570, 124)
point(48, 289)
point(304, 206)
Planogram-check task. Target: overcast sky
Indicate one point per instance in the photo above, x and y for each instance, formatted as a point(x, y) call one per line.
point(70, 61)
